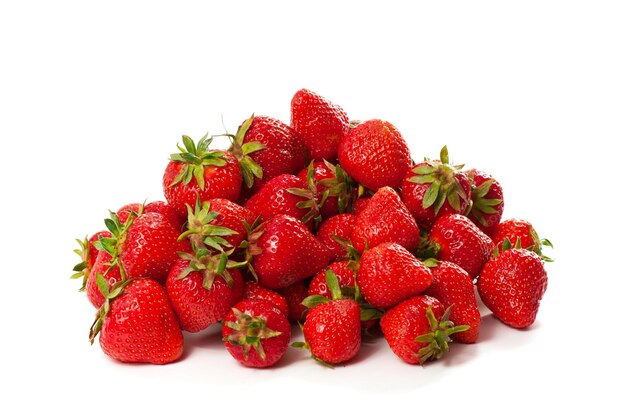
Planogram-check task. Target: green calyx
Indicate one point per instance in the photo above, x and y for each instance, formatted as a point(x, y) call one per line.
point(438, 338)
point(81, 269)
point(250, 245)
point(341, 185)
point(242, 151)
point(109, 294)
point(248, 332)
point(200, 230)
point(351, 253)
point(333, 286)
point(480, 204)
point(535, 248)
point(195, 158)
point(310, 199)
point(444, 186)
point(211, 265)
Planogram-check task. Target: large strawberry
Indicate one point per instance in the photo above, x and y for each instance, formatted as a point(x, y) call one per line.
point(388, 274)
point(375, 154)
point(256, 333)
point(434, 188)
point(341, 226)
point(385, 219)
point(321, 124)
point(512, 284)
point(517, 229)
point(487, 201)
point(137, 324)
point(418, 329)
point(335, 188)
point(199, 172)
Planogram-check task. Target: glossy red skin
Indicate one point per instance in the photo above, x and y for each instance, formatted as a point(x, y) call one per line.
point(407, 321)
point(345, 276)
point(453, 287)
point(124, 212)
point(321, 172)
point(220, 182)
point(294, 295)
point(478, 177)
point(254, 290)
point(168, 212)
point(141, 326)
point(340, 225)
point(360, 204)
point(388, 274)
point(93, 251)
point(413, 198)
point(274, 347)
point(333, 330)
point(385, 219)
point(232, 215)
point(513, 229)
point(320, 123)
point(512, 285)
point(196, 307)
point(461, 242)
point(285, 150)
point(289, 253)
point(100, 266)
point(375, 154)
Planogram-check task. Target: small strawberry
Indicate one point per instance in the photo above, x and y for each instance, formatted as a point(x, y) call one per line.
point(385, 219)
point(512, 284)
point(375, 154)
point(457, 239)
point(199, 172)
point(434, 188)
point(87, 253)
point(514, 229)
point(341, 226)
point(388, 274)
point(137, 324)
point(320, 123)
point(294, 295)
point(253, 290)
point(487, 201)
point(453, 287)
point(418, 329)
point(256, 333)
point(334, 187)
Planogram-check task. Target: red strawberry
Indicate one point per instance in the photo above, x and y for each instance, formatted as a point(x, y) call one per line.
point(345, 277)
point(385, 219)
point(388, 274)
point(375, 154)
point(341, 226)
point(103, 267)
point(360, 204)
point(457, 239)
point(453, 287)
point(198, 172)
point(512, 284)
point(514, 229)
point(167, 211)
point(434, 188)
point(418, 330)
point(283, 251)
point(256, 333)
point(254, 290)
point(294, 295)
point(137, 324)
point(320, 123)
point(487, 201)
point(87, 253)
point(334, 187)
point(199, 296)
point(124, 212)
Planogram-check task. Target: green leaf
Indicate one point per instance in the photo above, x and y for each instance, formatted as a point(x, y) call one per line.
point(424, 170)
point(422, 179)
point(441, 198)
point(314, 300)
point(333, 284)
point(454, 201)
point(103, 285)
point(482, 190)
point(252, 147)
point(111, 226)
point(443, 155)
point(431, 195)
point(190, 146)
point(198, 173)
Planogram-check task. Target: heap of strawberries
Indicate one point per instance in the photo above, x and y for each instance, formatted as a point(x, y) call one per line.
point(326, 222)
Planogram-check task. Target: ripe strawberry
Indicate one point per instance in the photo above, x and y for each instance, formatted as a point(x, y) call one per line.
point(514, 229)
point(388, 274)
point(87, 253)
point(487, 201)
point(512, 284)
point(385, 219)
point(201, 296)
point(294, 295)
point(167, 211)
point(103, 267)
point(198, 172)
point(137, 323)
point(360, 204)
point(127, 210)
point(254, 291)
point(256, 333)
point(434, 188)
point(344, 274)
point(283, 251)
point(418, 329)
point(320, 123)
point(453, 287)
point(457, 239)
point(341, 226)
point(335, 188)
point(375, 154)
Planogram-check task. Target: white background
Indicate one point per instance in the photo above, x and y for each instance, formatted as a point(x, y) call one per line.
point(94, 97)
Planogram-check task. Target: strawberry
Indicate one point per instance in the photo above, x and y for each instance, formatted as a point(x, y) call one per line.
point(103, 267)
point(294, 295)
point(283, 250)
point(334, 187)
point(514, 229)
point(137, 324)
point(200, 293)
point(344, 274)
point(320, 123)
point(198, 172)
point(256, 333)
point(418, 329)
point(375, 154)
point(167, 211)
point(254, 290)
point(512, 284)
point(360, 204)
point(341, 226)
point(385, 219)
point(434, 188)
point(388, 274)
point(453, 287)
point(457, 239)
point(87, 253)
point(487, 201)
point(127, 210)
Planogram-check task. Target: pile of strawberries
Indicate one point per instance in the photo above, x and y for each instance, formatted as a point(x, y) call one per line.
point(326, 222)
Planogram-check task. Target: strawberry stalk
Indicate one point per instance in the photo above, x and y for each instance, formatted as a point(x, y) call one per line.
point(242, 151)
point(248, 333)
point(195, 158)
point(438, 338)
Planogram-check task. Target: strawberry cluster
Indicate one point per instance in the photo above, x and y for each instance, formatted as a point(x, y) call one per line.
point(325, 222)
